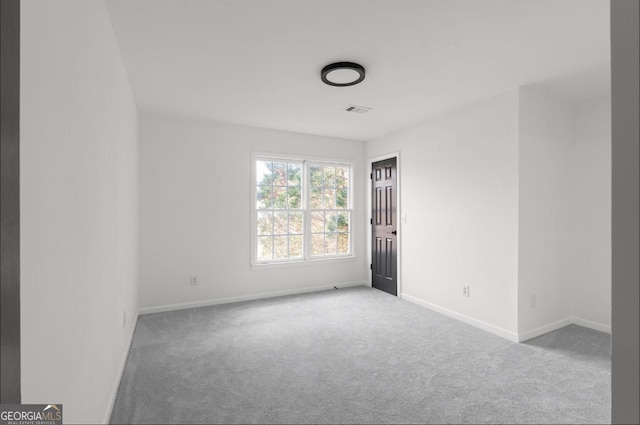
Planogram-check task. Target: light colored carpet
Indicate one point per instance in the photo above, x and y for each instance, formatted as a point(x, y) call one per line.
point(355, 355)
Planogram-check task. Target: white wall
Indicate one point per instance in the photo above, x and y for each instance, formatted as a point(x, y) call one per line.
point(544, 226)
point(459, 191)
point(195, 213)
point(511, 196)
point(591, 215)
point(78, 208)
point(565, 213)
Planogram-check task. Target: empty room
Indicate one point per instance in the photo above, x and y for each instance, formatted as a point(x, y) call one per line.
point(292, 211)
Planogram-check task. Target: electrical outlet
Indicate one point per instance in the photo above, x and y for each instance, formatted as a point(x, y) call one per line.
point(466, 291)
point(194, 280)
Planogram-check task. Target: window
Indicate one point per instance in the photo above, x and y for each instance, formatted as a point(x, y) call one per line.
point(280, 216)
point(329, 206)
point(302, 210)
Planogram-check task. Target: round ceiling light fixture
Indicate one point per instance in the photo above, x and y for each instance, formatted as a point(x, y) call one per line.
point(342, 74)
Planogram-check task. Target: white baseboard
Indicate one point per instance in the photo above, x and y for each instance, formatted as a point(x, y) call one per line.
point(123, 363)
point(541, 330)
point(549, 327)
point(591, 324)
point(512, 336)
point(216, 301)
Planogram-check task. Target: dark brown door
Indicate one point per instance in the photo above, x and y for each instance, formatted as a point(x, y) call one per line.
point(10, 205)
point(384, 226)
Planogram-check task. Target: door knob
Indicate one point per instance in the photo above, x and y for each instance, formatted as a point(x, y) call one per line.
point(395, 232)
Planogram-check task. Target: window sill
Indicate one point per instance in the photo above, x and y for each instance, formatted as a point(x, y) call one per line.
point(302, 263)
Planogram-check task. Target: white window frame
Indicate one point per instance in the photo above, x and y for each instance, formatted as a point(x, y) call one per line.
point(307, 161)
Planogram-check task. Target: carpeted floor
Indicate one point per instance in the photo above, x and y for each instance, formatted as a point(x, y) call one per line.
point(355, 355)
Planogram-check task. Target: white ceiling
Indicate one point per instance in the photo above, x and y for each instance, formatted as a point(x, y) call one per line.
point(258, 62)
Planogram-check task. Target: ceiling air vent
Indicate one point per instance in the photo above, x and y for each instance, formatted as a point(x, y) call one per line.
point(357, 109)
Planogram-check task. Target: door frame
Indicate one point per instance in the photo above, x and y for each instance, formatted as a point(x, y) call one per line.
point(401, 217)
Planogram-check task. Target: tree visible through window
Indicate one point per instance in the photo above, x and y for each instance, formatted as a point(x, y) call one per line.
point(303, 210)
point(280, 214)
point(330, 213)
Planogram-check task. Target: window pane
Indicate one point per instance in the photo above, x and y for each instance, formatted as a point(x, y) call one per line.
point(342, 198)
point(330, 176)
point(280, 198)
point(331, 243)
point(317, 244)
point(279, 173)
point(295, 223)
point(280, 223)
point(317, 222)
point(342, 177)
point(316, 198)
point(329, 198)
point(331, 222)
point(280, 247)
point(343, 222)
point(265, 251)
point(295, 246)
point(263, 197)
point(263, 172)
point(295, 197)
point(294, 174)
point(316, 175)
point(343, 243)
point(265, 223)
